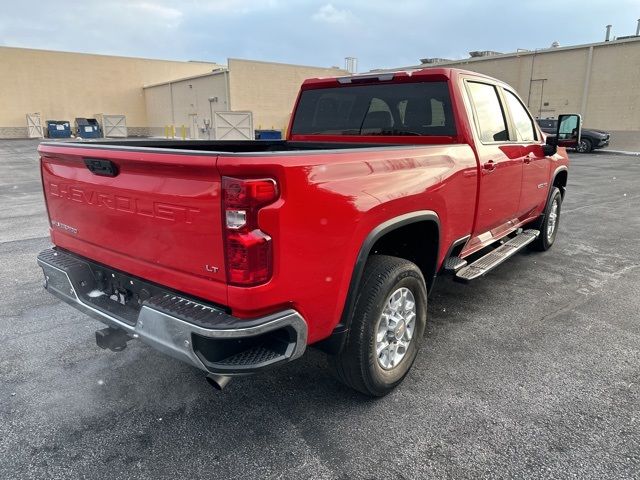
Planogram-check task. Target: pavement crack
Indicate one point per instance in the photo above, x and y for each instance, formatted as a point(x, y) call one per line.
point(4, 242)
point(565, 308)
point(599, 204)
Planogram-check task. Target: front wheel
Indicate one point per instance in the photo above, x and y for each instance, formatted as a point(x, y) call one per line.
point(548, 225)
point(387, 327)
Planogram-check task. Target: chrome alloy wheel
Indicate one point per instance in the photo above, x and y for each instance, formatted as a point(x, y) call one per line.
point(553, 219)
point(395, 328)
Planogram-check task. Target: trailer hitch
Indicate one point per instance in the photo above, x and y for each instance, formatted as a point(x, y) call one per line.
point(113, 339)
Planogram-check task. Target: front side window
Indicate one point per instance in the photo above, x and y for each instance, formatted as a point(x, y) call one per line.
point(521, 119)
point(492, 125)
point(422, 108)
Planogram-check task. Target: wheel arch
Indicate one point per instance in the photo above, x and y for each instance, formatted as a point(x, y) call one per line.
point(560, 178)
point(383, 240)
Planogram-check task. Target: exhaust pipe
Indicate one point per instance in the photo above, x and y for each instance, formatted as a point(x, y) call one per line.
point(608, 34)
point(218, 381)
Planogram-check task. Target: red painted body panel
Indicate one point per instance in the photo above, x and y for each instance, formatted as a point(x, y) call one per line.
point(159, 219)
point(169, 227)
point(330, 202)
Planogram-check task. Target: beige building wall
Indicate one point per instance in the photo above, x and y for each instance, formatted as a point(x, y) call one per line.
point(601, 81)
point(269, 89)
point(62, 86)
point(614, 87)
point(159, 108)
point(189, 102)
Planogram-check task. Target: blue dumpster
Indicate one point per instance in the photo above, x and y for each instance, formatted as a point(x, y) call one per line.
point(268, 135)
point(88, 128)
point(58, 129)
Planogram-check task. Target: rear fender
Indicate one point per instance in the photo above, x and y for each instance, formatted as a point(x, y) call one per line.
point(335, 343)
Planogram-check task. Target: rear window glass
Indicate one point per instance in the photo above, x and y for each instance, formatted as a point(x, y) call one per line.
point(547, 123)
point(381, 109)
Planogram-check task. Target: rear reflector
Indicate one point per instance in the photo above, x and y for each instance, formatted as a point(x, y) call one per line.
point(248, 258)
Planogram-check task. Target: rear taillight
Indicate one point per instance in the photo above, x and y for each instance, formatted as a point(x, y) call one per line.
point(249, 251)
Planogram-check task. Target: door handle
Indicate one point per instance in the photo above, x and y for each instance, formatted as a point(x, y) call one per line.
point(490, 166)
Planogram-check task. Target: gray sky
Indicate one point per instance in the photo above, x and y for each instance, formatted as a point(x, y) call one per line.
point(314, 32)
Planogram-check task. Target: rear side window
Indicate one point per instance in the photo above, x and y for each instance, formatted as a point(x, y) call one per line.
point(521, 119)
point(381, 109)
point(492, 125)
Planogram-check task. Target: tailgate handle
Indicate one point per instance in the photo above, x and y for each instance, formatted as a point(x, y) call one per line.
point(99, 166)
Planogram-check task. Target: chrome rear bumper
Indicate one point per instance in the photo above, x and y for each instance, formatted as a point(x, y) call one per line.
point(187, 329)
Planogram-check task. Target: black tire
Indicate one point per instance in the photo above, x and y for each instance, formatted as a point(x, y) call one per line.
point(584, 146)
point(545, 223)
point(358, 365)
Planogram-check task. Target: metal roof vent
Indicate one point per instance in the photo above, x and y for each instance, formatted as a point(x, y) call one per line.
point(483, 53)
point(434, 60)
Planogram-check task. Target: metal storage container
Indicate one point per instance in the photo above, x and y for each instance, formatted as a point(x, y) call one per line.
point(88, 128)
point(268, 135)
point(58, 129)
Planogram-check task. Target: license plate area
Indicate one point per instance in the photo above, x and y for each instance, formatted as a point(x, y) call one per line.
point(116, 293)
point(110, 291)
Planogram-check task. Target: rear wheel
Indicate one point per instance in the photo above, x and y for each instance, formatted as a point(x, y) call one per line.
point(387, 327)
point(584, 146)
point(548, 224)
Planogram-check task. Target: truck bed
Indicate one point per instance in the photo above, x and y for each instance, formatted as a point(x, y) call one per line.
point(223, 146)
point(160, 217)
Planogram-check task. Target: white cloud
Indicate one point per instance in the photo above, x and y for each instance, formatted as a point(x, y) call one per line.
point(330, 14)
point(236, 7)
point(167, 13)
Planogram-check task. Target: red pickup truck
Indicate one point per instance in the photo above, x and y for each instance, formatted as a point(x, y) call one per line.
point(236, 256)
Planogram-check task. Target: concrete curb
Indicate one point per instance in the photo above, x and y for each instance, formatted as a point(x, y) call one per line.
point(616, 152)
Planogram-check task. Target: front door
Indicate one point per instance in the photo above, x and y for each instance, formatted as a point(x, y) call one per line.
point(500, 165)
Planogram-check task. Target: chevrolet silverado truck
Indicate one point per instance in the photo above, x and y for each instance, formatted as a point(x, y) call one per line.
point(237, 256)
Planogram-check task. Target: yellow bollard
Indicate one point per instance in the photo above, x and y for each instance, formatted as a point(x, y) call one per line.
point(184, 133)
point(166, 131)
point(173, 131)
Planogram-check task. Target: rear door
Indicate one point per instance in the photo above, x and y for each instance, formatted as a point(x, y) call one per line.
point(535, 170)
point(500, 163)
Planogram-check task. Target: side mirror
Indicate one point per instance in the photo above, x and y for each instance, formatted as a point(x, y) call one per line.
point(569, 130)
point(551, 145)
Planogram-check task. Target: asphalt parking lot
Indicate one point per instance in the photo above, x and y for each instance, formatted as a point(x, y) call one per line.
point(533, 371)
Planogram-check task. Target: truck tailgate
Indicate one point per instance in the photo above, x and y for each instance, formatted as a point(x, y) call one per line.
point(154, 215)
